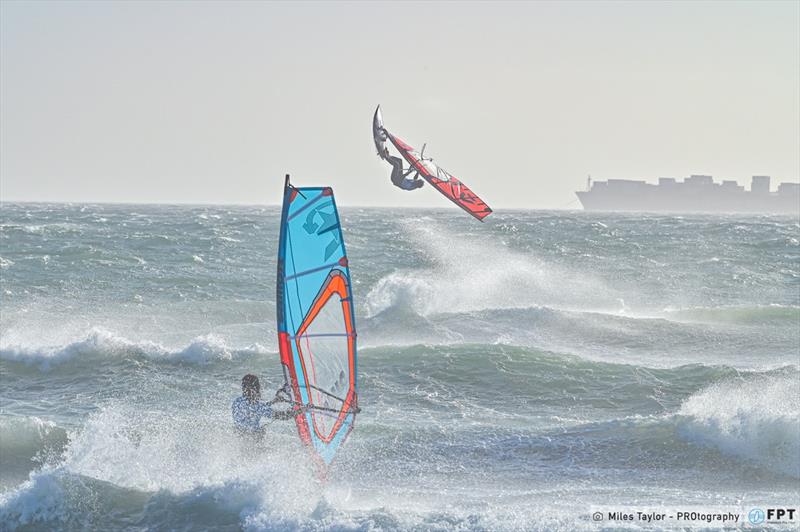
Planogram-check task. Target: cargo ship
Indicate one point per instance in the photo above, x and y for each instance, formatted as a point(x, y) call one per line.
point(696, 193)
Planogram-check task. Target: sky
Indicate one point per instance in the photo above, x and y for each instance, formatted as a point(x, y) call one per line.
point(206, 102)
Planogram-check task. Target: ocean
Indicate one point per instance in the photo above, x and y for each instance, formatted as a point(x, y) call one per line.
point(515, 374)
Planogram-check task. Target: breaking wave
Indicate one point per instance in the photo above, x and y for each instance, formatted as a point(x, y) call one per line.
point(102, 344)
point(480, 275)
point(756, 418)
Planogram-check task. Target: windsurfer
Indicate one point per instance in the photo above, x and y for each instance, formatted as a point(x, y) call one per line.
point(399, 178)
point(248, 409)
point(425, 169)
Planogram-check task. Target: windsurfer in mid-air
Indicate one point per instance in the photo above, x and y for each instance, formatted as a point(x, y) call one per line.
point(424, 168)
point(248, 409)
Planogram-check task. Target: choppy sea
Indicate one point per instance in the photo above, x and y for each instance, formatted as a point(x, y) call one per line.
point(513, 374)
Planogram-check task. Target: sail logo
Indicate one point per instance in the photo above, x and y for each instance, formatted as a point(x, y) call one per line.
point(320, 222)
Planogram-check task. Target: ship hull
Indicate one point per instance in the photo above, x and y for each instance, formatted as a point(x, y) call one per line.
point(653, 200)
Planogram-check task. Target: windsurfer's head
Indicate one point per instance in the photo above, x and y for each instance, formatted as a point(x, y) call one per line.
point(251, 389)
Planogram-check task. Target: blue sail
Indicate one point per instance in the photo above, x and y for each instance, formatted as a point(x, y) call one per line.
point(316, 322)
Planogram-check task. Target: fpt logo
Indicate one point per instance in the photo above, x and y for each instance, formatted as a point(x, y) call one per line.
point(757, 516)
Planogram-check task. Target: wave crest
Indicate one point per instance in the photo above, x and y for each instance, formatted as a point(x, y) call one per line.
point(39, 499)
point(476, 275)
point(101, 344)
point(746, 315)
point(755, 419)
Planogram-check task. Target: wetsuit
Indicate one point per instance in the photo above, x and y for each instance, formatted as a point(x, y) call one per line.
point(399, 179)
point(247, 416)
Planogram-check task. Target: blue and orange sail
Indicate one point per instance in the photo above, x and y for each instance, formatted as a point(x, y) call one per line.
point(316, 320)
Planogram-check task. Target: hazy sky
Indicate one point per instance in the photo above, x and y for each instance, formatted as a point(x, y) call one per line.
point(215, 102)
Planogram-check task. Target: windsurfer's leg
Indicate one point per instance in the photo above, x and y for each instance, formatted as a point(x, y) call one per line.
point(397, 170)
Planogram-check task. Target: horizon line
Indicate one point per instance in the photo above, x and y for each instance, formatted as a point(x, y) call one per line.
point(208, 204)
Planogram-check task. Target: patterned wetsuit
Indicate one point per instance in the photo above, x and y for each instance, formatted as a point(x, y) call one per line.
point(247, 416)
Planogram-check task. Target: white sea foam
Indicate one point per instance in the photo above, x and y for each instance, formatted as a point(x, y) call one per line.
point(176, 453)
point(101, 343)
point(176, 459)
point(755, 419)
point(41, 498)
